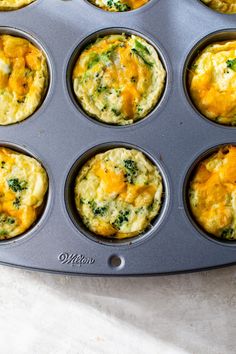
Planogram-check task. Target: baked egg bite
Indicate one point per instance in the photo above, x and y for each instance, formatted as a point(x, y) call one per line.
point(119, 5)
point(118, 193)
point(7, 5)
point(224, 6)
point(118, 79)
point(23, 185)
point(212, 82)
point(212, 193)
point(23, 78)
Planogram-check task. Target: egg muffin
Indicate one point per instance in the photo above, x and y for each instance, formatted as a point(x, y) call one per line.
point(118, 79)
point(118, 193)
point(23, 185)
point(23, 79)
point(119, 5)
point(224, 6)
point(212, 82)
point(7, 5)
point(212, 193)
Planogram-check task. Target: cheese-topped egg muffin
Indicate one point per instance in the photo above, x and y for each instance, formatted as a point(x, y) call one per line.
point(23, 78)
point(118, 193)
point(119, 5)
point(119, 79)
point(6, 5)
point(23, 185)
point(212, 193)
point(212, 82)
point(225, 6)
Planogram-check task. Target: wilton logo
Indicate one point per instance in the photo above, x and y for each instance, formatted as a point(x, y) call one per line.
point(75, 259)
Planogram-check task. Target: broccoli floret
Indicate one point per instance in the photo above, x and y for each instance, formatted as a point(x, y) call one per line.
point(118, 5)
point(94, 59)
point(142, 51)
point(16, 185)
point(101, 211)
point(228, 234)
point(131, 170)
point(121, 219)
point(231, 64)
point(17, 203)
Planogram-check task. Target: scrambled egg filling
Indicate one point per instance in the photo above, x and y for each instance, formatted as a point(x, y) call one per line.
point(119, 5)
point(119, 79)
point(212, 82)
point(212, 193)
point(23, 79)
point(225, 6)
point(23, 185)
point(6, 5)
point(118, 193)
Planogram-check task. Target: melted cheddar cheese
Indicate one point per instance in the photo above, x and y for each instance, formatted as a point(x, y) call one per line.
point(23, 79)
point(212, 82)
point(7, 5)
point(23, 185)
point(118, 79)
point(119, 5)
point(224, 6)
point(118, 193)
point(212, 193)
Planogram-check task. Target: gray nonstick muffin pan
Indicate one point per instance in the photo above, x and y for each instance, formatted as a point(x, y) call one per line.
point(174, 136)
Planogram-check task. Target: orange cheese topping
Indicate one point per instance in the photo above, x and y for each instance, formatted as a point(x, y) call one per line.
point(20, 57)
point(118, 79)
point(124, 74)
point(134, 4)
point(18, 211)
point(225, 6)
point(23, 78)
point(7, 5)
point(118, 192)
point(139, 195)
point(212, 82)
point(113, 182)
point(212, 191)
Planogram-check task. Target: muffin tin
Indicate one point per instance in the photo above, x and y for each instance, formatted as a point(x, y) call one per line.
point(174, 136)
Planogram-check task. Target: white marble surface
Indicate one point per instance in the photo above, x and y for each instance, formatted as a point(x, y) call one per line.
point(53, 314)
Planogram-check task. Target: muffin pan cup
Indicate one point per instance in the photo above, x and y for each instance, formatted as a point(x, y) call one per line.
point(109, 31)
point(174, 136)
point(16, 32)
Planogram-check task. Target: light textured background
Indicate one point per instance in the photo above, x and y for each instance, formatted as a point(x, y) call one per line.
point(50, 314)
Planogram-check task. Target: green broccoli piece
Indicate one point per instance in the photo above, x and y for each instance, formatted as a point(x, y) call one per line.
point(131, 170)
point(16, 185)
point(121, 219)
point(231, 64)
